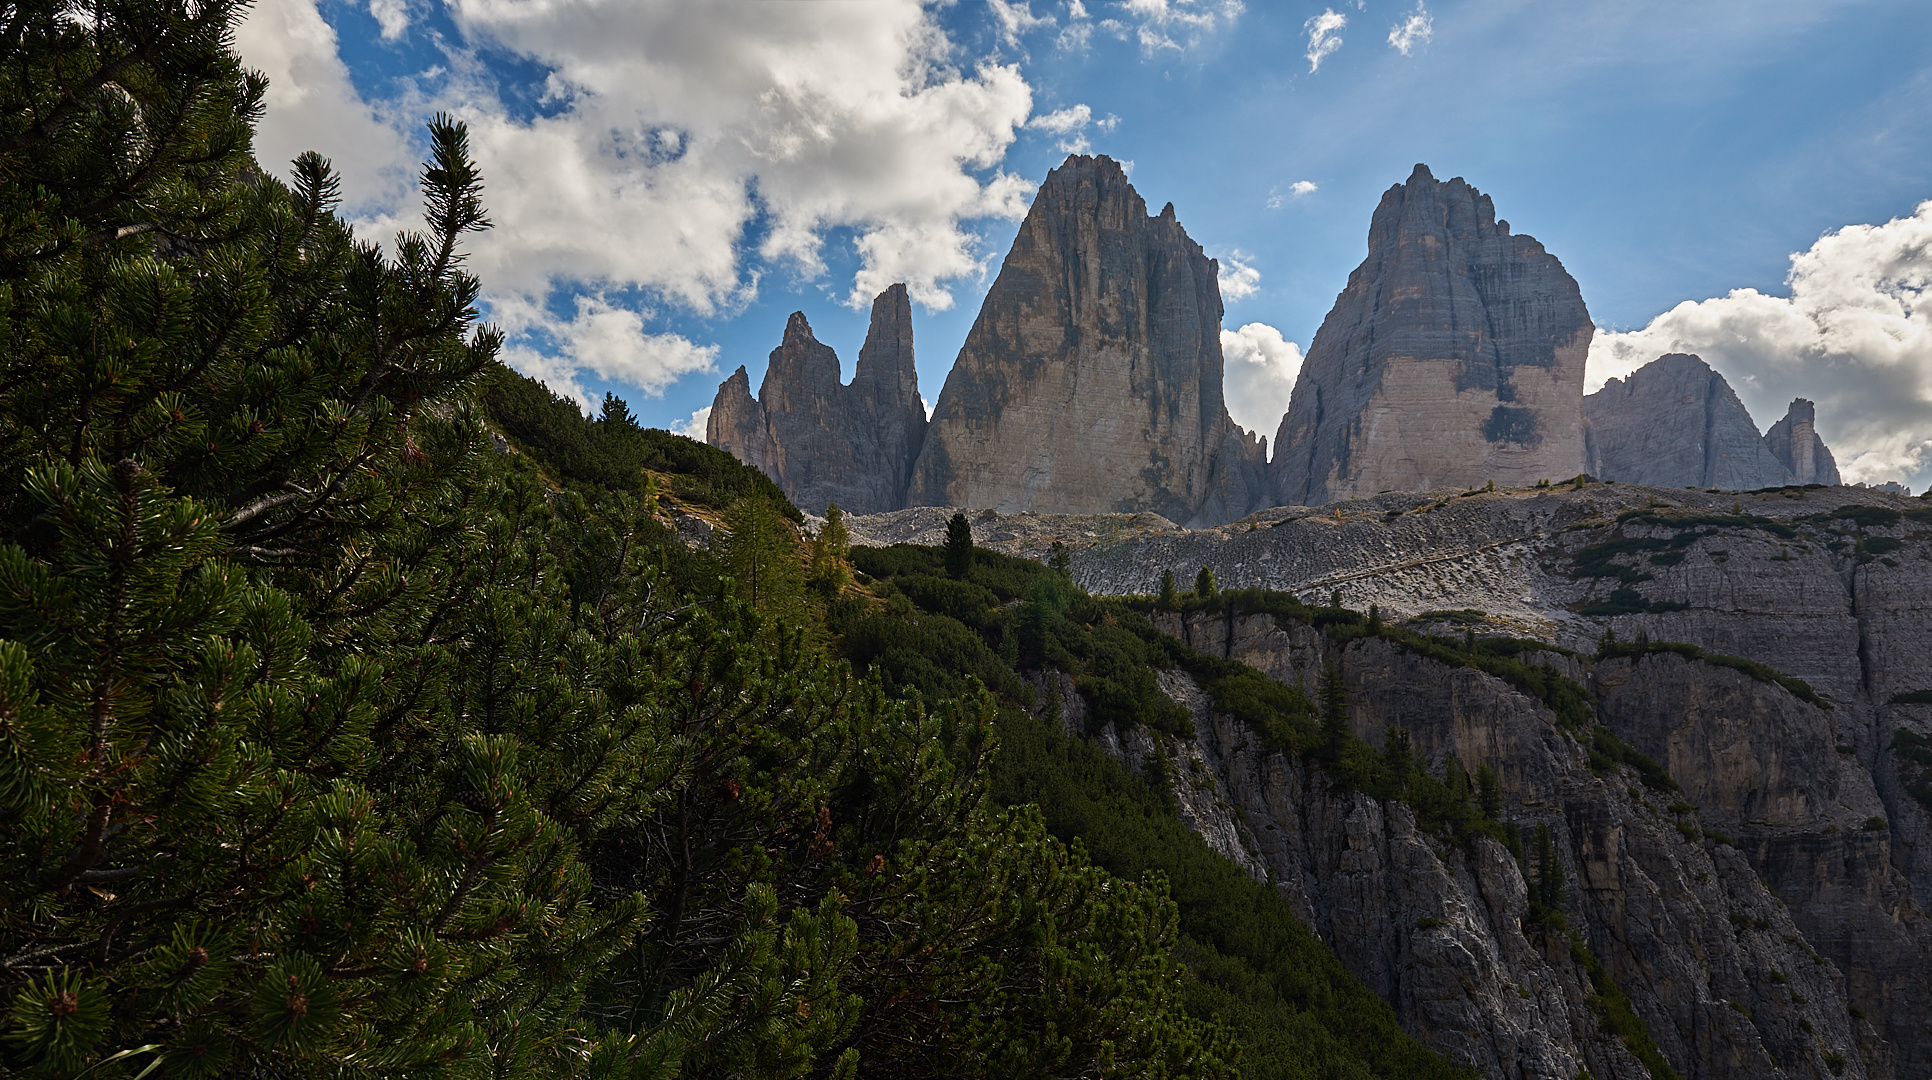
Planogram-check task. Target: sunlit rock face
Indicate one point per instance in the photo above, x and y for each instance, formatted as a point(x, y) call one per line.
point(1091, 381)
point(1453, 357)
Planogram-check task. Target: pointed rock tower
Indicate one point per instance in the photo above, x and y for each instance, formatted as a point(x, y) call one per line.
point(823, 442)
point(1091, 381)
point(1454, 356)
point(1794, 441)
point(1676, 423)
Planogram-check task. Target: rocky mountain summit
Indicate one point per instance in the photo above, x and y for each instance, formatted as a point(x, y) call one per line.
point(1794, 441)
point(1676, 423)
point(1091, 381)
point(1454, 356)
point(823, 442)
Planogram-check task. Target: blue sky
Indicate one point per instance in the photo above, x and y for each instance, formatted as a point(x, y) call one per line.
point(672, 179)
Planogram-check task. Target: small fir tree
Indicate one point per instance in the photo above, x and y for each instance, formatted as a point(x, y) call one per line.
point(959, 545)
point(1204, 585)
point(1489, 792)
point(1170, 596)
point(1335, 731)
point(1060, 560)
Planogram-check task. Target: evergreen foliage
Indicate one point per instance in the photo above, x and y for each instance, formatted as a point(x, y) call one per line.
point(959, 545)
point(333, 743)
point(1170, 596)
point(1205, 589)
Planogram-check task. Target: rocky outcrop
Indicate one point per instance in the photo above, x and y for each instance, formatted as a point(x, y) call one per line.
point(1794, 441)
point(1676, 423)
point(1091, 380)
point(1716, 965)
point(823, 442)
point(1453, 357)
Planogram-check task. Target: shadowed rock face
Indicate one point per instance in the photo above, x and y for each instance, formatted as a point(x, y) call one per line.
point(823, 442)
point(1794, 441)
point(1676, 423)
point(1454, 356)
point(1091, 381)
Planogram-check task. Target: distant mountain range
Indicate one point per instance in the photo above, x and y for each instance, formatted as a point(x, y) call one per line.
point(1091, 381)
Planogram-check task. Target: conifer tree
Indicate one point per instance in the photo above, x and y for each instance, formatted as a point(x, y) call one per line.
point(1335, 731)
point(959, 545)
point(1204, 586)
point(1170, 597)
point(1489, 792)
point(1060, 560)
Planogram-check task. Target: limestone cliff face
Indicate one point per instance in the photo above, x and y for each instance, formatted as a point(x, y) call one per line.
point(1794, 441)
point(1717, 966)
point(1091, 381)
point(1454, 356)
point(823, 442)
point(1676, 423)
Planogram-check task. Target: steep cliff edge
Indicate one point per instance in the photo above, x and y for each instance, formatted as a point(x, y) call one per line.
point(821, 441)
point(1712, 961)
point(1794, 441)
point(1454, 356)
point(1676, 423)
point(1091, 382)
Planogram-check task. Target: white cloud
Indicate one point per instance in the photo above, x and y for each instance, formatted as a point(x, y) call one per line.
point(392, 16)
point(1239, 279)
point(1855, 336)
point(1295, 191)
point(1015, 17)
point(312, 106)
point(1070, 124)
point(684, 150)
point(1415, 30)
point(693, 428)
point(602, 338)
point(1160, 22)
point(1322, 37)
point(1260, 375)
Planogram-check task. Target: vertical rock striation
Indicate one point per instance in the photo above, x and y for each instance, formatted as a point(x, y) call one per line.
point(1676, 423)
point(1794, 441)
point(1091, 381)
point(823, 442)
point(1454, 356)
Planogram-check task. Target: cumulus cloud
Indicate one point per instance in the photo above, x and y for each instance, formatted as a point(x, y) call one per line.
point(600, 337)
point(1015, 17)
point(1260, 375)
point(1079, 29)
point(1295, 191)
point(1323, 36)
point(392, 16)
point(1238, 278)
point(1855, 335)
point(1177, 25)
point(681, 150)
point(694, 427)
point(1070, 124)
point(312, 106)
point(1415, 30)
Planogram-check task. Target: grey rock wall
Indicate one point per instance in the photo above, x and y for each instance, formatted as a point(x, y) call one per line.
point(1794, 441)
point(1676, 423)
point(1091, 380)
point(1716, 965)
point(823, 442)
point(1454, 356)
